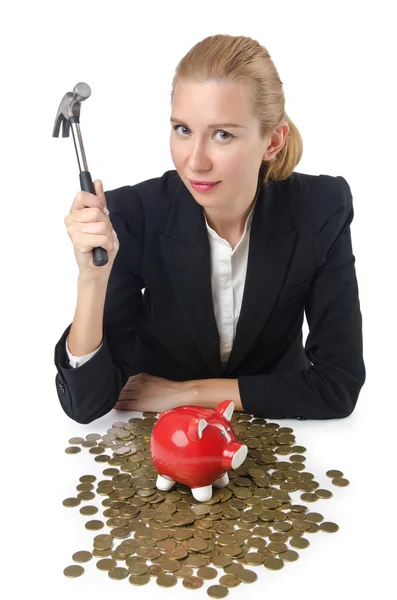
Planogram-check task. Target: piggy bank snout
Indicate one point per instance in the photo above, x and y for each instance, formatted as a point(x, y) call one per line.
point(239, 456)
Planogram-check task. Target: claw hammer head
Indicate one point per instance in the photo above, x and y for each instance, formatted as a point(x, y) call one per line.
point(70, 107)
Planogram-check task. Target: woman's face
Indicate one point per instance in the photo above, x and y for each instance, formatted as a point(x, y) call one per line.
point(225, 153)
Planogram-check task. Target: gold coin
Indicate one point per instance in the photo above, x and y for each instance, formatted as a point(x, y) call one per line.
point(185, 571)
point(76, 440)
point(197, 545)
point(334, 473)
point(118, 573)
point(299, 542)
point(87, 478)
point(82, 556)
point(192, 582)
point(73, 450)
point(105, 564)
point(276, 547)
point(138, 569)
point(254, 558)
point(246, 575)
point(314, 517)
point(273, 563)
point(139, 579)
point(71, 502)
point(85, 495)
point(94, 525)
point(323, 493)
point(340, 481)
point(166, 580)
point(93, 436)
point(308, 497)
point(289, 555)
point(207, 573)
point(217, 591)
point(329, 527)
point(229, 580)
point(120, 532)
point(300, 525)
point(222, 561)
point(73, 571)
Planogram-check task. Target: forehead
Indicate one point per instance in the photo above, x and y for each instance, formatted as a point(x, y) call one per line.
point(212, 101)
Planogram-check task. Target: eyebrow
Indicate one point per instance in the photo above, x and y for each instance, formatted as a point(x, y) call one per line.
point(211, 125)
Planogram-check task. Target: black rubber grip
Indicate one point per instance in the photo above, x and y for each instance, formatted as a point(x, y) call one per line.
point(100, 255)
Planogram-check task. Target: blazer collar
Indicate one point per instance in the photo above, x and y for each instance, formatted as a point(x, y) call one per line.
point(186, 252)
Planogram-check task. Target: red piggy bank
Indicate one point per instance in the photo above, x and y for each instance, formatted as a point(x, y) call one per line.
point(196, 446)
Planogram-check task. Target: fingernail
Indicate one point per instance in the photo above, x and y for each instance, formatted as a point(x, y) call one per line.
point(105, 210)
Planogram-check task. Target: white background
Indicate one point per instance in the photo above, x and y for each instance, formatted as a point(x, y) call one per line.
point(337, 63)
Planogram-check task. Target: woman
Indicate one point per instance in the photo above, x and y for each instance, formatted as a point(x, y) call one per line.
point(227, 270)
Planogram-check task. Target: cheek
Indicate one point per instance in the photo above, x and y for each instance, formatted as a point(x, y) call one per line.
point(176, 154)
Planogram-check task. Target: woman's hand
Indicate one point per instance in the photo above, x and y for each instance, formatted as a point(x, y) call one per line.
point(148, 393)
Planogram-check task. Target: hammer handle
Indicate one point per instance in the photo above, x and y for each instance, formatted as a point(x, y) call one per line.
point(100, 254)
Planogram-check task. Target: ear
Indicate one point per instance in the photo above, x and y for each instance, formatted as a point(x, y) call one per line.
point(195, 429)
point(226, 409)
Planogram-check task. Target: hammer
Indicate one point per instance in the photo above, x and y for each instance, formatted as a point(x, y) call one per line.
point(68, 115)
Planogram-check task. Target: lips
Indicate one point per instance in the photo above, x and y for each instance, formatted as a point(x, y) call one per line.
point(203, 182)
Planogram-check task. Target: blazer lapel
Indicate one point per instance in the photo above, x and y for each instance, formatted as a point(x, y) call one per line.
point(186, 252)
point(271, 247)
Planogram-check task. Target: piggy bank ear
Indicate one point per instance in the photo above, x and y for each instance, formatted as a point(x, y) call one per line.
point(196, 428)
point(226, 409)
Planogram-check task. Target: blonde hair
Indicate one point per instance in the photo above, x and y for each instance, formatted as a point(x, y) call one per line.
point(242, 59)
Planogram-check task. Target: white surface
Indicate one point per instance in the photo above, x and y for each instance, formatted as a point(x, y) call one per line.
point(336, 64)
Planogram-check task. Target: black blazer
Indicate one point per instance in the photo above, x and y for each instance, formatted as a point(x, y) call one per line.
point(300, 258)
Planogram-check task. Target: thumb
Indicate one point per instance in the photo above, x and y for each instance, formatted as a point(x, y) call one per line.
point(99, 191)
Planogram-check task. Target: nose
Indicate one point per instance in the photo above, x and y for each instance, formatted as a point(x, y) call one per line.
point(198, 159)
point(239, 456)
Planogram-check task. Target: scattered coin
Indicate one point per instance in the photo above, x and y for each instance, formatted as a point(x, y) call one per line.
point(217, 591)
point(340, 481)
point(118, 573)
point(139, 579)
point(323, 493)
point(72, 450)
point(93, 525)
point(229, 580)
point(71, 502)
point(334, 473)
point(329, 527)
point(105, 564)
point(192, 582)
point(246, 576)
point(88, 510)
point(273, 563)
point(82, 556)
point(73, 571)
point(207, 573)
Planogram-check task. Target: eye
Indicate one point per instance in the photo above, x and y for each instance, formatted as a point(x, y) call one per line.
point(223, 433)
point(217, 131)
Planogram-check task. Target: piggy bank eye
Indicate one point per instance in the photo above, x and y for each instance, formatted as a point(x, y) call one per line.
point(223, 433)
point(228, 429)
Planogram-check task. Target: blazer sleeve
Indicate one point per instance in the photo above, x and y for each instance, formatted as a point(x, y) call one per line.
point(91, 390)
point(330, 387)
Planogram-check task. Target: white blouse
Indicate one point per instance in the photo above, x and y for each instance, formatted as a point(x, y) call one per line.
point(228, 272)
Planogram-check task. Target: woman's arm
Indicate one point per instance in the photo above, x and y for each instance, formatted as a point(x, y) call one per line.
point(330, 387)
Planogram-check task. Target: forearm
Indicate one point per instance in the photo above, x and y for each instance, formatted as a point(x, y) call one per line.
point(86, 331)
point(211, 392)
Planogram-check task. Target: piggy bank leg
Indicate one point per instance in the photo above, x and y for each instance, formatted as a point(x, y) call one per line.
point(202, 494)
point(164, 483)
point(222, 481)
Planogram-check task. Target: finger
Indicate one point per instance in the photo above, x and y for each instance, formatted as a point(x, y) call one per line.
point(124, 405)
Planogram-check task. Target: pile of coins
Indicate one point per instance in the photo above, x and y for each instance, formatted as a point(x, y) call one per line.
point(247, 523)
